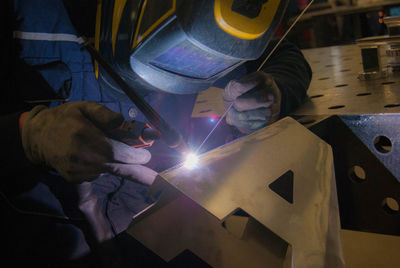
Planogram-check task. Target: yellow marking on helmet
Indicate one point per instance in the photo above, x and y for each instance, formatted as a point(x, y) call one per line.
point(138, 24)
point(97, 35)
point(241, 26)
point(117, 13)
point(137, 39)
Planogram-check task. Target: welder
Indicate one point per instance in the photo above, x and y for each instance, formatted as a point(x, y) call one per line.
point(58, 105)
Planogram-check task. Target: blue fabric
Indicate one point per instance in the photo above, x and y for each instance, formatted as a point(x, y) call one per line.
point(49, 16)
point(60, 63)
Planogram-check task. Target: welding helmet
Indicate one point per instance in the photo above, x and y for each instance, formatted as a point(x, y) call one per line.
point(181, 46)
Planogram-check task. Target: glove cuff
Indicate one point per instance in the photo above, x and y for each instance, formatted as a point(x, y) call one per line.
point(27, 135)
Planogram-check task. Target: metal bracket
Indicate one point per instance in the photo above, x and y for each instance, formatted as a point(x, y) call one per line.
point(195, 207)
point(364, 183)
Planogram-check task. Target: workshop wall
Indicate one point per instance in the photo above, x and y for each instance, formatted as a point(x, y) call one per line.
point(338, 22)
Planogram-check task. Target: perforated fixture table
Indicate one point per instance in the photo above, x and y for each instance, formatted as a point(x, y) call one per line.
point(369, 107)
point(335, 88)
point(360, 119)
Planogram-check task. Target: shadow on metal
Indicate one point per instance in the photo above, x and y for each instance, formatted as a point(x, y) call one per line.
point(368, 193)
point(247, 201)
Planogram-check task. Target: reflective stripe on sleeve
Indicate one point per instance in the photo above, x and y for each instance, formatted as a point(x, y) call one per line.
point(47, 37)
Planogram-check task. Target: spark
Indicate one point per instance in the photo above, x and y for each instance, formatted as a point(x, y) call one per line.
point(191, 161)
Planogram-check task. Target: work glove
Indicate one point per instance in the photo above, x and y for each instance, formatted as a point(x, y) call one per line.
point(257, 101)
point(71, 139)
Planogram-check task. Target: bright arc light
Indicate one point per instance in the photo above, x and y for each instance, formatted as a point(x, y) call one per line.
point(191, 161)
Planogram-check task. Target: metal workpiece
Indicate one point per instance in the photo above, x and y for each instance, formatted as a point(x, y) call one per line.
point(393, 25)
point(249, 202)
point(360, 119)
point(381, 135)
point(368, 190)
point(370, 108)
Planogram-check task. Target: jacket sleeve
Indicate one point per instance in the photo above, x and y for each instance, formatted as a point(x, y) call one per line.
point(290, 70)
point(15, 166)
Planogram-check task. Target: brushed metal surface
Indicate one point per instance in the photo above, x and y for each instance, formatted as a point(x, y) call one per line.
point(194, 203)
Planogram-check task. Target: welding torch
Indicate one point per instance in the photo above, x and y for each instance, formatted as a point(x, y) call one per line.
point(169, 135)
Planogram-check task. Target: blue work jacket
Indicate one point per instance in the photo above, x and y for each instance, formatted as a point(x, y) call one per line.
point(50, 44)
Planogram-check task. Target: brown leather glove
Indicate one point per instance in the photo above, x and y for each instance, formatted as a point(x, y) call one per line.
point(70, 138)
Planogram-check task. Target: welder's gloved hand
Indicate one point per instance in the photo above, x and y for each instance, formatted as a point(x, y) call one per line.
point(257, 101)
point(70, 138)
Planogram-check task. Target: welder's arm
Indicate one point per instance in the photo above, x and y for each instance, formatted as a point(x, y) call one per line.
point(261, 97)
point(290, 71)
point(70, 139)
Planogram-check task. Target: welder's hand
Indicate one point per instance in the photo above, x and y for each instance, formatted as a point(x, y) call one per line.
point(70, 138)
point(257, 101)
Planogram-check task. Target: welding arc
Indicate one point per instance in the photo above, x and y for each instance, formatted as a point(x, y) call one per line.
point(259, 68)
point(170, 136)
